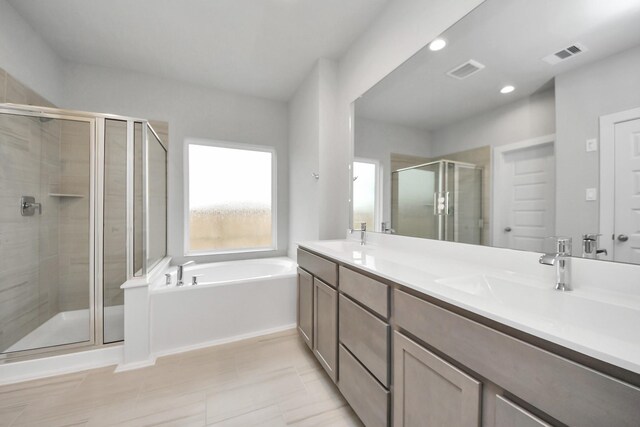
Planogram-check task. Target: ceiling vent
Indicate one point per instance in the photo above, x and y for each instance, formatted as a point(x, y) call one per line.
point(564, 54)
point(465, 70)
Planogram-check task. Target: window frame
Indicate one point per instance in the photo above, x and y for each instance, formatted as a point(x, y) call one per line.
point(378, 192)
point(274, 196)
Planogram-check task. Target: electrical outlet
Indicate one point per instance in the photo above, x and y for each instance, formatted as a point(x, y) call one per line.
point(592, 145)
point(591, 194)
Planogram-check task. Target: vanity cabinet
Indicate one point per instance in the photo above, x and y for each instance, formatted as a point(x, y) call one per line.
point(317, 314)
point(401, 357)
point(508, 414)
point(366, 396)
point(325, 326)
point(305, 306)
point(561, 389)
point(364, 335)
point(428, 391)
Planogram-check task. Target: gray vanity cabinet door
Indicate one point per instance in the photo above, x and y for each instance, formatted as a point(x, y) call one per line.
point(325, 326)
point(508, 414)
point(429, 391)
point(305, 306)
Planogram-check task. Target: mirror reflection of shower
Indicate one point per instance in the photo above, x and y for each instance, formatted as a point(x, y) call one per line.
point(440, 200)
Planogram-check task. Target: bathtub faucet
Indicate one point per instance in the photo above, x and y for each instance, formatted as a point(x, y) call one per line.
point(181, 270)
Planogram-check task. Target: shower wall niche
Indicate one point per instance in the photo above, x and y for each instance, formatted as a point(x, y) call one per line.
point(74, 214)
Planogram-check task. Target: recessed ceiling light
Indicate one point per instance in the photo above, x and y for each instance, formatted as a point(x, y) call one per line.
point(437, 44)
point(507, 89)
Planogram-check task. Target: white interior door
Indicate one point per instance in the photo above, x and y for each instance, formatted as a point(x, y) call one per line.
point(525, 197)
point(626, 234)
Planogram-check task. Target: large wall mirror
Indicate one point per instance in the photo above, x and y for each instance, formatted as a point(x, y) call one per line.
point(521, 122)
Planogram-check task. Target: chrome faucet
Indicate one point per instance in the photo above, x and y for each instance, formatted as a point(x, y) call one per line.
point(590, 243)
point(363, 233)
point(562, 261)
point(180, 272)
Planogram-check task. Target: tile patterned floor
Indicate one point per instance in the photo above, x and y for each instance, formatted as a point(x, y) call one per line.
point(268, 381)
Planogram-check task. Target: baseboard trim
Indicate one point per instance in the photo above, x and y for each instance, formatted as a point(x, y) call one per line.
point(33, 369)
point(223, 341)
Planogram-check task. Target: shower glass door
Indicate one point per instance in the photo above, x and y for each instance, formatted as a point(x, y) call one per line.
point(413, 201)
point(46, 231)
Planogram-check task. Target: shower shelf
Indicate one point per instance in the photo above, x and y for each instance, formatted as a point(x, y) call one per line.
point(65, 195)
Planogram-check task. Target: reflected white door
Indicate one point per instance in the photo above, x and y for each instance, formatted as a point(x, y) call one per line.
point(626, 235)
point(525, 197)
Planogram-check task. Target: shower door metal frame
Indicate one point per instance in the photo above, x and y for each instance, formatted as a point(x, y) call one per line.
point(146, 127)
point(97, 123)
point(54, 113)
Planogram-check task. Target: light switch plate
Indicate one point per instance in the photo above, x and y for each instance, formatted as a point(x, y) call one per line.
point(591, 194)
point(592, 145)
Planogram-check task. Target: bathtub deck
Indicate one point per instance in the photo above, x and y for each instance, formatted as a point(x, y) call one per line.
point(268, 381)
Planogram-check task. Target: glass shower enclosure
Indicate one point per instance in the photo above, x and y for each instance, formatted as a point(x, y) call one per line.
point(73, 225)
point(438, 200)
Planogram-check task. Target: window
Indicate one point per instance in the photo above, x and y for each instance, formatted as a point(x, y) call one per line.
point(366, 193)
point(230, 197)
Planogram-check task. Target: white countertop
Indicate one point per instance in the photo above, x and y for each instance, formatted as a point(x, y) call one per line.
point(600, 322)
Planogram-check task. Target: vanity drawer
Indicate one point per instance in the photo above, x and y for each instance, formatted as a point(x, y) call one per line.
point(565, 390)
point(367, 337)
point(508, 414)
point(367, 398)
point(319, 267)
point(368, 291)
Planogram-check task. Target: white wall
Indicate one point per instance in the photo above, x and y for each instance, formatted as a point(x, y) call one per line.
point(304, 135)
point(377, 140)
point(329, 167)
point(582, 96)
point(311, 128)
point(524, 119)
point(27, 57)
point(191, 111)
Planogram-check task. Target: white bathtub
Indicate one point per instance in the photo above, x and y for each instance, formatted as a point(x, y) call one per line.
point(233, 300)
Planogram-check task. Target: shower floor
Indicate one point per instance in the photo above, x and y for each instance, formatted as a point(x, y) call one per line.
point(72, 327)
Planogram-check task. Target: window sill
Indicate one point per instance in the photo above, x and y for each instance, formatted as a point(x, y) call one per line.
point(229, 252)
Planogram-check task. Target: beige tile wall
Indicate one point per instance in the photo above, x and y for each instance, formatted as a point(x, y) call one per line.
point(31, 274)
point(20, 300)
point(14, 92)
point(74, 241)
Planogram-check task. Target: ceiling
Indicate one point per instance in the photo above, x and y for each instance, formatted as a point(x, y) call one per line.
point(509, 37)
point(262, 48)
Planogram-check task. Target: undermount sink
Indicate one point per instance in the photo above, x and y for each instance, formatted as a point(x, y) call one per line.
point(480, 284)
point(544, 305)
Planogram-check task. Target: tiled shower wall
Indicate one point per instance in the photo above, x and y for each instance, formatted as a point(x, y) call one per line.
point(74, 242)
point(44, 259)
point(29, 268)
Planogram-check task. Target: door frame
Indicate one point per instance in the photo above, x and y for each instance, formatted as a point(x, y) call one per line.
point(497, 168)
point(607, 175)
